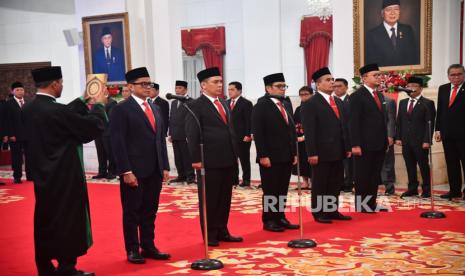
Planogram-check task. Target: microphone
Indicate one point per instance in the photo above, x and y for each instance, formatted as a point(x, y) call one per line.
point(403, 89)
point(170, 96)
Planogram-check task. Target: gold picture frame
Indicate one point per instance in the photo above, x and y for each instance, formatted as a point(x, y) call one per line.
point(114, 60)
point(415, 15)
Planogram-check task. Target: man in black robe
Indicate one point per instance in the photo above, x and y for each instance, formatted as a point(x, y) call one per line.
point(56, 133)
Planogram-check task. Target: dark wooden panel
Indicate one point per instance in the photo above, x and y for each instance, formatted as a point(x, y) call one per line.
point(11, 72)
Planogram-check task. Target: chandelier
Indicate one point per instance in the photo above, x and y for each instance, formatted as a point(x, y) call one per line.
point(320, 8)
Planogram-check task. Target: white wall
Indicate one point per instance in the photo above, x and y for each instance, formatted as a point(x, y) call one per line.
point(31, 34)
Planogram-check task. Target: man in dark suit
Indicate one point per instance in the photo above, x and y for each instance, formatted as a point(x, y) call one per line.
point(106, 166)
point(56, 132)
point(415, 125)
point(275, 138)
point(139, 147)
point(3, 136)
point(450, 128)
point(109, 59)
point(391, 43)
point(327, 145)
point(220, 157)
point(368, 136)
point(177, 136)
point(341, 86)
point(163, 104)
point(16, 132)
point(241, 115)
point(388, 172)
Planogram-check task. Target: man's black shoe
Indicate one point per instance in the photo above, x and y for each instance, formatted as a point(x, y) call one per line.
point(110, 176)
point(135, 257)
point(99, 176)
point(450, 196)
point(273, 227)
point(178, 179)
point(17, 181)
point(426, 195)
point(339, 216)
point(322, 219)
point(229, 238)
point(2, 183)
point(409, 193)
point(83, 273)
point(191, 180)
point(213, 243)
point(380, 208)
point(155, 254)
point(287, 225)
point(389, 192)
point(347, 190)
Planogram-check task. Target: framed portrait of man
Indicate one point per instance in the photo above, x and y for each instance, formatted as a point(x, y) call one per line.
point(395, 34)
point(106, 46)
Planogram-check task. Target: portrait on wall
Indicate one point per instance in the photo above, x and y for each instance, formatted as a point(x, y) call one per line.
point(106, 46)
point(395, 34)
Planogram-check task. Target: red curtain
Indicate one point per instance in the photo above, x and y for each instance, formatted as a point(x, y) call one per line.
point(212, 59)
point(315, 38)
point(210, 40)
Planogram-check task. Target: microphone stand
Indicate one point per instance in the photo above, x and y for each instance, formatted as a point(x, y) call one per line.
point(431, 214)
point(206, 263)
point(301, 242)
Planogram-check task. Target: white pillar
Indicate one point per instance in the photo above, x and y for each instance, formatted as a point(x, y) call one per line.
point(343, 43)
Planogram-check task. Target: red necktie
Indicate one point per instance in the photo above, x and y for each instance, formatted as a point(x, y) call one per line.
point(232, 104)
point(410, 106)
point(454, 94)
point(283, 112)
point(221, 111)
point(333, 105)
point(149, 114)
point(378, 102)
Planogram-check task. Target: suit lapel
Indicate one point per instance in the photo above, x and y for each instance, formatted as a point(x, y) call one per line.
point(210, 105)
point(372, 99)
point(326, 105)
point(459, 94)
point(134, 105)
point(278, 112)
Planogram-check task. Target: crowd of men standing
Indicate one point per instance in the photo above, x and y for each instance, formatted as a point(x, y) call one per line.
point(340, 141)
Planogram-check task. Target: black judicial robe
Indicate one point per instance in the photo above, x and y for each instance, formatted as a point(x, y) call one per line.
point(56, 133)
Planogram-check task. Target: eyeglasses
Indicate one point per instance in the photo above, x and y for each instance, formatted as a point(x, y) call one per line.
point(145, 84)
point(304, 94)
point(281, 86)
point(456, 75)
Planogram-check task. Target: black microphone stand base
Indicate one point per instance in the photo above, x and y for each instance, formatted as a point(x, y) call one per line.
point(433, 215)
point(207, 264)
point(301, 243)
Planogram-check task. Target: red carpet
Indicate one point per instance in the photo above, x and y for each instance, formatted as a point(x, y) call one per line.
point(398, 242)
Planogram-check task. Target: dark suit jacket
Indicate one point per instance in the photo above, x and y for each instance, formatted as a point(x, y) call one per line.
point(390, 116)
point(2, 119)
point(367, 125)
point(14, 120)
point(451, 121)
point(108, 109)
point(177, 127)
point(136, 146)
point(165, 112)
point(115, 68)
point(218, 137)
point(413, 129)
point(325, 134)
point(379, 48)
point(273, 137)
point(241, 117)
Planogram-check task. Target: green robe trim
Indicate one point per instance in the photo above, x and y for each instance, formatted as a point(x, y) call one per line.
point(88, 226)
